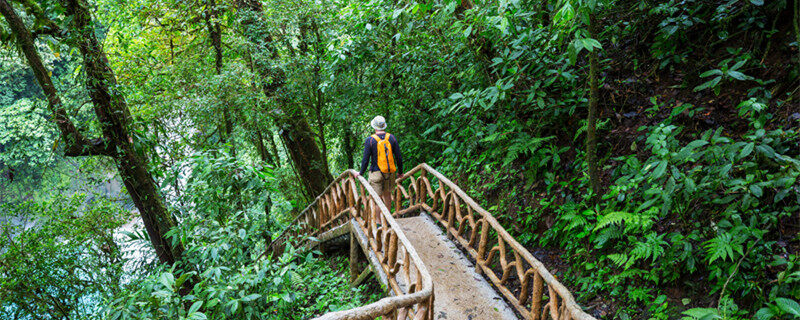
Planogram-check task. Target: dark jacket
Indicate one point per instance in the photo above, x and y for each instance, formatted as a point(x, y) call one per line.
point(371, 154)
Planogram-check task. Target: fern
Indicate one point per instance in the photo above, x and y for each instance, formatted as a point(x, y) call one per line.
point(640, 294)
point(651, 248)
point(629, 274)
point(633, 222)
point(614, 218)
point(618, 258)
point(524, 144)
point(722, 247)
point(606, 235)
point(573, 220)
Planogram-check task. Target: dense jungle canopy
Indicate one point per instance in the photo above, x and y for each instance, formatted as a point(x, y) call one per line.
point(646, 151)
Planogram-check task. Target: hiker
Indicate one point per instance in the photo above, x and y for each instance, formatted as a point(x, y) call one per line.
point(382, 153)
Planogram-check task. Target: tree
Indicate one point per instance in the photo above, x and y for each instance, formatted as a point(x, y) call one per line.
point(298, 138)
point(585, 38)
point(112, 112)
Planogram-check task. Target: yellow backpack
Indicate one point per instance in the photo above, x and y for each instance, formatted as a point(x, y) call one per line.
point(385, 156)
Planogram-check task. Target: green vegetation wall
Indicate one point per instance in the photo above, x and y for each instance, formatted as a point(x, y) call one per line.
point(689, 205)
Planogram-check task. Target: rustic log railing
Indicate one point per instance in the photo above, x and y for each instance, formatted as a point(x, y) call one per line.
point(348, 199)
point(520, 277)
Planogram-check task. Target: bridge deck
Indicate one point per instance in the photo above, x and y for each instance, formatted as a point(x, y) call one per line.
point(460, 292)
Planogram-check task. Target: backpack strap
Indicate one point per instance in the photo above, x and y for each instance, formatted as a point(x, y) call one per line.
point(378, 139)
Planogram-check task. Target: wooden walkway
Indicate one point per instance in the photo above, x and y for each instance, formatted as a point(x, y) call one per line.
point(461, 293)
point(423, 253)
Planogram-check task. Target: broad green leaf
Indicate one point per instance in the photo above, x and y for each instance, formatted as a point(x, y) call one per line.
point(747, 150)
point(564, 15)
point(167, 279)
point(738, 75)
point(251, 297)
point(711, 73)
point(708, 84)
point(660, 170)
point(765, 314)
point(195, 306)
point(789, 306)
point(756, 190)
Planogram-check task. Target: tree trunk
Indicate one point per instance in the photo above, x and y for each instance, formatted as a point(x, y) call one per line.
point(306, 156)
point(114, 117)
point(591, 131)
point(349, 147)
point(294, 128)
point(273, 148)
point(266, 157)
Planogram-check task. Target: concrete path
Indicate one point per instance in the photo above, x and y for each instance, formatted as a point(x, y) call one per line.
point(461, 294)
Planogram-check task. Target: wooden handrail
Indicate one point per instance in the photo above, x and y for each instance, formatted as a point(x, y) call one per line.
point(532, 277)
point(352, 194)
point(515, 272)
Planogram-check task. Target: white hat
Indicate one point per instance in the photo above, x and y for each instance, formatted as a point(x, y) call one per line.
point(378, 123)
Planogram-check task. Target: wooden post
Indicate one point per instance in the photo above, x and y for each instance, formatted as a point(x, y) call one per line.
point(538, 290)
point(353, 257)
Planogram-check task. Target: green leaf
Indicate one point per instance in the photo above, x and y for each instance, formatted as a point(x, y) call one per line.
point(167, 279)
point(765, 314)
point(711, 73)
point(747, 150)
point(766, 150)
point(251, 297)
point(659, 171)
point(564, 15)
point(468, 31)
point(589, 44)
point(195, 306)
point(198, 316)
point(702, 314)
point(738, 75)
point(688, 150)
point(708, 84)
point(572, 53)
point(757, 2)
point(789, 306)
point(756, 190)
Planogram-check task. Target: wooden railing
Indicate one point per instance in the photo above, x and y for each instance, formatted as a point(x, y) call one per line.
point(345, 200)
point(521, 278)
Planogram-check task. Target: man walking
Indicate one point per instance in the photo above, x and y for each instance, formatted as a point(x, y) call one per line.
point(382, 154)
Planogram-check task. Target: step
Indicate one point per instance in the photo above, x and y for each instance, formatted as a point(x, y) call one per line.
point(460, 293)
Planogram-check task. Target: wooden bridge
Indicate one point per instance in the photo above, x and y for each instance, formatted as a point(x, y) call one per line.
point(434, 253)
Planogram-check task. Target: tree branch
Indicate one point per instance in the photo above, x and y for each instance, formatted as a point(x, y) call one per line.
point(76, 143)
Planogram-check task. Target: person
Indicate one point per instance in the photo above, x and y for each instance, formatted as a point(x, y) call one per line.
point(382, 154)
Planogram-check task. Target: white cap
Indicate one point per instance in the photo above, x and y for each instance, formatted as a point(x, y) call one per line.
point(378, 123)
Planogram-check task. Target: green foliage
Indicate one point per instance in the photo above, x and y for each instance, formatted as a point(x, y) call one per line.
point(25, 137)
point(723, 73)
point(59, 258)
point(230, 285)
point(700, 203)
point(711, 186)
